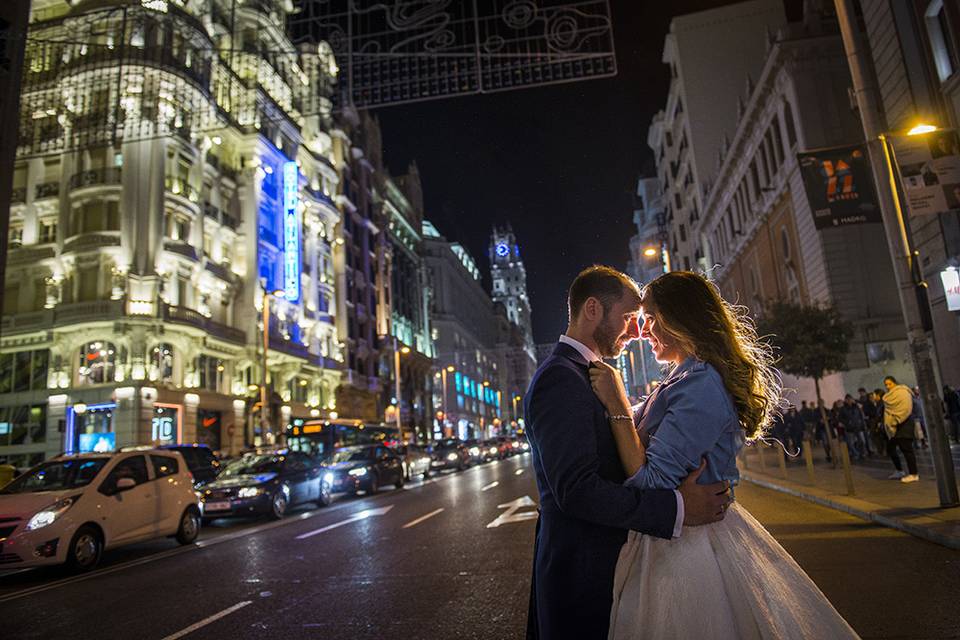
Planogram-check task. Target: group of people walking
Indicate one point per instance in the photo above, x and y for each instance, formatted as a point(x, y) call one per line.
point(886, 421)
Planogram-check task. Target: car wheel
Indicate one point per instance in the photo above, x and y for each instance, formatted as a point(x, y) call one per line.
point(325, 497)
point(462, 465)
point(85, 549)
point(189, 527)
point(278, 505)
point(374, 486)
point(399, 483)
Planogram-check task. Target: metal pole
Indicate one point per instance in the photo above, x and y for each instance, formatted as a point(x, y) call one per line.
point(808, 458)
point(865, 89)
point(396, 368)
point(265, 307)
point(443, 402)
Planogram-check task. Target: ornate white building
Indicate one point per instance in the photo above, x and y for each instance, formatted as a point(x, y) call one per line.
point(175, 161)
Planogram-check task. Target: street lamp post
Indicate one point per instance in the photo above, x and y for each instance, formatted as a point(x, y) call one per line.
point(443, 400)
point(265, 321)
point(397, 350)
point(903, 258)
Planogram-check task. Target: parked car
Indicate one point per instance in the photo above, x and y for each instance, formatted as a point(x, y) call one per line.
point(415, 459)
point(449, 453)
point(71, 508)
point(364, 467)
point(490, 449)
point(265, 482)
point(203, 464)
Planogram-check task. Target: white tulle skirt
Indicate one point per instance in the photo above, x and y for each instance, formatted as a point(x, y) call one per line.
point(726, 580)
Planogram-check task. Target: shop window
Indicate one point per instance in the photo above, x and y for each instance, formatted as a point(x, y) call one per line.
point(98, 362)
point(24, 424)
point(161, 362)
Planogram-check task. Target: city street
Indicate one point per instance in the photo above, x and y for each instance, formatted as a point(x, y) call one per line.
point(446, 558)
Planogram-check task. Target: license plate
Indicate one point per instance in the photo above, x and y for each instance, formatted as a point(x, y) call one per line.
point(216, 506)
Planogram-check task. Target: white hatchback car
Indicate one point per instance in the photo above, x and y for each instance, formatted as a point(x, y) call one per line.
point(72, 507)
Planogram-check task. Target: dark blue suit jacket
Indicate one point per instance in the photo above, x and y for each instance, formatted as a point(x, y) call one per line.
point(585, 510)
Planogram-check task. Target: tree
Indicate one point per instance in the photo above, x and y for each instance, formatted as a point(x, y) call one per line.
point(811, 342)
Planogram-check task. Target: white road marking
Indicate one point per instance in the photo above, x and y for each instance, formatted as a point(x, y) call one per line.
point(511, 515)
point(206, 621)
point(490, 486)
point(422, 518)
point(518, 471)
point(363, 515)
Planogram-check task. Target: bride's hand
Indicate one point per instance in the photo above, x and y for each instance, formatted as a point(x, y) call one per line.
point(608, 386)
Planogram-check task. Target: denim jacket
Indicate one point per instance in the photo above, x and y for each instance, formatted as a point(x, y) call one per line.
point(688, 417)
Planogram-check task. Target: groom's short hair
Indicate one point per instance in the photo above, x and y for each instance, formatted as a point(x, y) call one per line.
point(603, 283)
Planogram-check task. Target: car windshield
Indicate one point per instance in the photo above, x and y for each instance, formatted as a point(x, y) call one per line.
point(351, 455)
point(252, 465)
point(57, 475)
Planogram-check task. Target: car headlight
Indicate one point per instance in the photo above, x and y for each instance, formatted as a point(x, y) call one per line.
point(493, 450)
point(474, 451)
point(451, 456)
point(361, 471)
point(328, 478)
point(49, 514)
point(525, 446)
point(249, 492)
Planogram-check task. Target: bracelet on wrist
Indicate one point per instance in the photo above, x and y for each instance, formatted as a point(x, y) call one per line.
point(621, 417)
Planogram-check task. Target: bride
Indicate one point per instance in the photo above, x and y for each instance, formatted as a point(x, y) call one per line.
point(730, 579)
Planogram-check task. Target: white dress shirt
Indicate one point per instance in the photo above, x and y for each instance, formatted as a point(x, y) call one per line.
point(590, 356)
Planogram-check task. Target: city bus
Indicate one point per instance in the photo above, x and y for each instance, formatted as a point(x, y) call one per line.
point(319, 438)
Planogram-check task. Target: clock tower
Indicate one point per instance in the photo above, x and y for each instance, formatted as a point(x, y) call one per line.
point(509, 279)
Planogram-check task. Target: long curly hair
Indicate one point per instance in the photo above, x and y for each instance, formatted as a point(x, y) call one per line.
point(689, 310)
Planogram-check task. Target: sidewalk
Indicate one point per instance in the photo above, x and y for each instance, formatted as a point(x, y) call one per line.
point(912, 508)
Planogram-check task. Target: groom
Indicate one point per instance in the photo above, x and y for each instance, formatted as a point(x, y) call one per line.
point(585, 511)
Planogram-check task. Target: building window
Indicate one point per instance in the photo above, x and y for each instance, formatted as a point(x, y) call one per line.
point(24, 371)
point(298, 389)
point(785, 241)
point(942, 43)
point(16, 236)
point(210, 372)
point(791, 125)
point(48, 231)
point(96, 215)
point(25, 424)
point(161, 363)
point(98, 362)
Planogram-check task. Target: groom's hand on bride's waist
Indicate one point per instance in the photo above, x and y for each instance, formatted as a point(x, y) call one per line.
point(703, 503)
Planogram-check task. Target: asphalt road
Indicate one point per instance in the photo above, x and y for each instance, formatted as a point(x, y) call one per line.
point(424, 562)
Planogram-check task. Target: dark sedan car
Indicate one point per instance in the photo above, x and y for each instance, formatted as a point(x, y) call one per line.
point(264, 483)
point(450, 453)
point(204, 466)
point(363, 468)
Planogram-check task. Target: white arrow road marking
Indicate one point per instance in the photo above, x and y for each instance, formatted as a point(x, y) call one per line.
point(363, 515)
point(206, 621)
point(511, 515)
point(518, 471)
point(490, 486)
point(422, 518)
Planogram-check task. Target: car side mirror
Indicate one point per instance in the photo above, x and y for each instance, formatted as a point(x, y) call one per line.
point(124, 484)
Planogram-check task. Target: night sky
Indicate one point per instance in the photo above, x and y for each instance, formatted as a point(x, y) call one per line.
point(559, 163)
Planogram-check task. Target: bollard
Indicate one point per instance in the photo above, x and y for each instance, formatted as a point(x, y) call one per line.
point(847, 474)
point(782, 459)
point(834, 450)
point(808, 457)
point(763, 463)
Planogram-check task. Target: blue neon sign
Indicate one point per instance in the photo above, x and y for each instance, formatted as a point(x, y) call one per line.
point(291, 232)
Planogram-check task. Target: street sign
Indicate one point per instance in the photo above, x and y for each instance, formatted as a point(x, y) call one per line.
point(510, 515)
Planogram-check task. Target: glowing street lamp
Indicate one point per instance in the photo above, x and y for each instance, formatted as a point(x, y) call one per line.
point(921, 128)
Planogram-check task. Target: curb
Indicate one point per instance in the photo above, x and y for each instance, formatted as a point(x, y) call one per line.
point(951, 542)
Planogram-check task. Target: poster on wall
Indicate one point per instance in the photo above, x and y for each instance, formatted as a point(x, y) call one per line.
point(951, 287)
point(839, 186)
point(929, 166)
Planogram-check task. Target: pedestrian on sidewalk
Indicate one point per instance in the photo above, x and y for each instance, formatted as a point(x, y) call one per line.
point(897, 410)
point(795, 430)
point(854, 427)
point(810, 418)
point(870, 418)
point(822, 424)
point(951, 407)
point(880, 433)
point(919, 421)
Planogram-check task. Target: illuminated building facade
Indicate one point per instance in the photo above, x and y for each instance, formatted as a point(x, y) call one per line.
point(175, 161)
point(509, 281)
point(470, 363)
